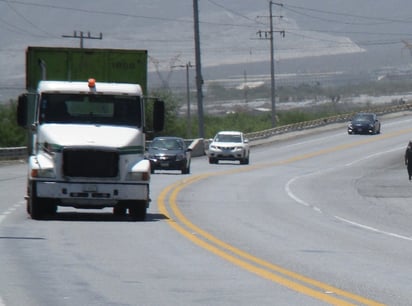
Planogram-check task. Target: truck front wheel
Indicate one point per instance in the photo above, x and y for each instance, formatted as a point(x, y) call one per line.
point(120, 209)
point(37, 207)
point(35, 210)
point(33, 204)
point(138, 210)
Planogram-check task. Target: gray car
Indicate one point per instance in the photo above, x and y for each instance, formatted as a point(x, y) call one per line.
point(169, 153)
point(364, 123)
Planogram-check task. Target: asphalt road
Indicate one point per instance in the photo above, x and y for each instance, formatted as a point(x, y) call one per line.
point(320, 219)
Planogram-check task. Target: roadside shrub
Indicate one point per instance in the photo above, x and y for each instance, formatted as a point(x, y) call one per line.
point(11, 135)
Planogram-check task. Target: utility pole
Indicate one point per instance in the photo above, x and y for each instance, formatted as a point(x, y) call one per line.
point(199, 78)
point(269, 35)
point(82, 37)
point(189, 123)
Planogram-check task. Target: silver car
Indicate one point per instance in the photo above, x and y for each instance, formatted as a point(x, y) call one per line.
point(229, 145)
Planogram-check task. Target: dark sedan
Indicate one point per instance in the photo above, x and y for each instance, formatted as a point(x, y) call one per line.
point(169, 153)
point(364, 123)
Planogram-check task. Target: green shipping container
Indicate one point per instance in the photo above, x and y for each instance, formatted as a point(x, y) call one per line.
point(75, 64)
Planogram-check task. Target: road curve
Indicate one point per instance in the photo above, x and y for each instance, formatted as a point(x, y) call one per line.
point(319, 219)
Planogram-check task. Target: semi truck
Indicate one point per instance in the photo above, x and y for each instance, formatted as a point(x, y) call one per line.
point(84, 110)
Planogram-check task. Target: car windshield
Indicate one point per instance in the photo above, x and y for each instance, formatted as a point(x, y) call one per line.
point(228, 138)
point(90, 109)
point(363, 117)
point(167, 144)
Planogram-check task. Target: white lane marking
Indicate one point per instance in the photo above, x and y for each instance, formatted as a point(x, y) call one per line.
point(373, 155)
point(363, 226)
point(372, 229)
point(2, 218)
point(10, 210)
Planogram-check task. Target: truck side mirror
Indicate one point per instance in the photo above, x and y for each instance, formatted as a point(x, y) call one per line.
point(22, 110)
point(158, 115)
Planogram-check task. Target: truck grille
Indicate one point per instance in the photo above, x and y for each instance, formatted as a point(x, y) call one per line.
point(90, 163)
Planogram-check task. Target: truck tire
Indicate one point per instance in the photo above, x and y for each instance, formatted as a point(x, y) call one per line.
point(34, 208)
point(119, 210)
point(39, 208)
point(49, 206)
point(138, 210)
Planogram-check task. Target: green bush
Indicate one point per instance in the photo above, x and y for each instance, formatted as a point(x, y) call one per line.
point(11, 135)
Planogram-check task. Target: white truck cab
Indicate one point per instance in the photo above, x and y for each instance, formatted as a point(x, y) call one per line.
point(87, 147)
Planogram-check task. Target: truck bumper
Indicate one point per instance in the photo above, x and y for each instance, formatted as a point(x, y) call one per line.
point(92, 194)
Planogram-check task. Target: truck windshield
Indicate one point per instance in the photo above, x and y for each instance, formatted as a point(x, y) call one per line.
point(90, 109)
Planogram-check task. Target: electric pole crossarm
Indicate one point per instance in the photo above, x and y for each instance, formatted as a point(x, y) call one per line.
point(82, 37)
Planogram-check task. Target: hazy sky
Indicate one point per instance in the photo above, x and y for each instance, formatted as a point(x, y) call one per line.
point(228, 29)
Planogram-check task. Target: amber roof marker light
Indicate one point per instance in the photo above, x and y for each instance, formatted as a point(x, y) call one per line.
point(92, 83)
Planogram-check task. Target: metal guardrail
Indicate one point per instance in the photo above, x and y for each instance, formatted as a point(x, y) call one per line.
point(21, 152)
point(13, 153)
point(379, 110)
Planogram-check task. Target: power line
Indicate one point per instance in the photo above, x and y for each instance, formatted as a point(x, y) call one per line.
point(34, 25)
point(232, 11)
point(378, 19)
point(120, 14)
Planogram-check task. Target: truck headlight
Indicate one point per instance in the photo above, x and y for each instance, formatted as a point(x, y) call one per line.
point(138, 176)
point(42, 167)
point(43, 173)
point(140, 171)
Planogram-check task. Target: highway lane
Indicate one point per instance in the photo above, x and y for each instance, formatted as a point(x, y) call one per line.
point(317, 220)
point(334, 208)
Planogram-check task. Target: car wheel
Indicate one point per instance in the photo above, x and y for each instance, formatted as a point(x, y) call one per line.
point(138, 210)
point(186, 169)
point(213, 160)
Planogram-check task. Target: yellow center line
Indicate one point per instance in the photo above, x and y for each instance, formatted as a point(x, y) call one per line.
point(262, 268)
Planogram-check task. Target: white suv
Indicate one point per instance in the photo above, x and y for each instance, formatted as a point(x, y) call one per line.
point(229, 145)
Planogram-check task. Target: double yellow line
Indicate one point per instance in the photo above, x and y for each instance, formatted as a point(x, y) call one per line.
point(168, 206)
point(244, 260)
